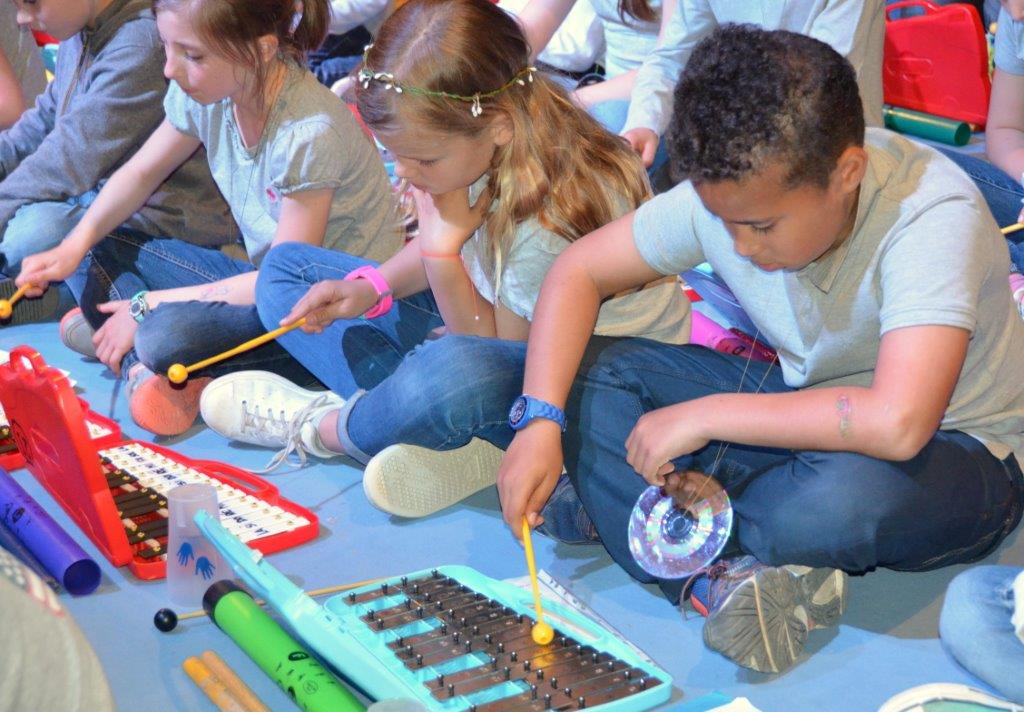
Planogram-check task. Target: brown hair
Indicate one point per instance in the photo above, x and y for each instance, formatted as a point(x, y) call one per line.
point(638, 10)
point(231, 28)
point(561, 167)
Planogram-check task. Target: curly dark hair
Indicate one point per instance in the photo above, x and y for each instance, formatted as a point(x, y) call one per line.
point(749, 97)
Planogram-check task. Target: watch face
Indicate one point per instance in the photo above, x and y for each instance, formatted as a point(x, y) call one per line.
point(518, 411)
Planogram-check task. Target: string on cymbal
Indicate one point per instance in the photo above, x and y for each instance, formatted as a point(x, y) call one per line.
point(178, 373)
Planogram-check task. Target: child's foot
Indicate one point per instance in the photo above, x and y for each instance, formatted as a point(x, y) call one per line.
point(411, 481)
point(262, 408)
point(76, 333)
point(759, 615)
point(162, 407)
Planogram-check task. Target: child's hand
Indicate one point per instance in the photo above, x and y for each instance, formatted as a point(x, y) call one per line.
point(447, 220)
point(660, 436)
point(644, 142)
point(329, 300)
point(53, 265)
point(529, 472)
point(117, 335)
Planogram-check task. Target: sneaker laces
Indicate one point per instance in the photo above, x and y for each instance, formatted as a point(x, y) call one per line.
point(292, 434)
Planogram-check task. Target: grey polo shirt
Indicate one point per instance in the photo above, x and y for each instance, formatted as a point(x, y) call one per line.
point(924, 251)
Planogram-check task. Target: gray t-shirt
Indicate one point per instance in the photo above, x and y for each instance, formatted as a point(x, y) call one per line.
point(45, 661)
point(20, 49)
point(1009, 44)
point(311, 141)
point(924, 251)
point(659, 311)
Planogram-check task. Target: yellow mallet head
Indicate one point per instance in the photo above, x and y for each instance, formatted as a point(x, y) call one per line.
point(177, 373)
point(542, 633)
point(5, 309)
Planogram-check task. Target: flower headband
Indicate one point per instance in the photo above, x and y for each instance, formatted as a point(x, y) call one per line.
point(367, 75)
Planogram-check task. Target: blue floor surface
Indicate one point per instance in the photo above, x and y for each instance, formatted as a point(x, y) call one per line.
point(887, 641)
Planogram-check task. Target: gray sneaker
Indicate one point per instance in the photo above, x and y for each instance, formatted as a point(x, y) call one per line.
point(759, 615)
point(76, 333)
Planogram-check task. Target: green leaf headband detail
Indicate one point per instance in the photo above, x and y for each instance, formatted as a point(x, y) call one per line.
point(367, 75)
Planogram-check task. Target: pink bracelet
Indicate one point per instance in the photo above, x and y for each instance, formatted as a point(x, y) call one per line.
point(383, 289)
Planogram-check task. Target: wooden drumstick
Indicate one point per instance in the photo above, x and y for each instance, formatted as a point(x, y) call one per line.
point(7, 305)
point(312, 594)
point(211, 685)
point(238, 689)
point(1005, 230)
point(541, 632)
point(178, 373)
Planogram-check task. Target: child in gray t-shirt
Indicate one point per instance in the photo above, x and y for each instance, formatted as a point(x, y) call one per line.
point(885, 436)
point(293, 166)
point(22, 77)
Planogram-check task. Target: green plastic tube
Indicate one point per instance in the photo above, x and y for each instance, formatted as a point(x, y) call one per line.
point(935, 128)
point(280, 656)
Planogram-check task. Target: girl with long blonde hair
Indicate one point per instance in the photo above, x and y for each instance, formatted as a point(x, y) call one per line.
point(506, 172)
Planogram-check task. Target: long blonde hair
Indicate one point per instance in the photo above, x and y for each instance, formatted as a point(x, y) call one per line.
point(561, 167)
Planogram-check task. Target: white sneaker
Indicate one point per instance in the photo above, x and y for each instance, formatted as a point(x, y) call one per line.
point(262, 408)
point(947, 696)
point(411, 481)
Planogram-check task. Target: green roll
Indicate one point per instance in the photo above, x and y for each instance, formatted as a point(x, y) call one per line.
point(935, 128)
point(279, 655)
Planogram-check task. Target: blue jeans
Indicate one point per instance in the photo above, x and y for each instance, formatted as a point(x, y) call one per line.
point(338, 55)
point(1002, 193)
point(36, 227)
point(976, 630)
point(951, 503)
point(349, 354)
point(127, 262)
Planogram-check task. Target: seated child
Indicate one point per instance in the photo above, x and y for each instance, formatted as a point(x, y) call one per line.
point(104, 101)
point(22, 77)
point(293, 165)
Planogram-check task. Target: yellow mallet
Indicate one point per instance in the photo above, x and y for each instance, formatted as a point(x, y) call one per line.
point(1012, 228)
point(178, 373)
point(541, 632)
point(7, 305)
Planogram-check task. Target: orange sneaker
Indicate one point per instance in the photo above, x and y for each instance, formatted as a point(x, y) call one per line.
point(162, 407)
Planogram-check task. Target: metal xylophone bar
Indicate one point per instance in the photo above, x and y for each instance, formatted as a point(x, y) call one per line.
point(560, 675)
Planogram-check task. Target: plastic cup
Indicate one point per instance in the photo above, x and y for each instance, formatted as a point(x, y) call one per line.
point(193, 563)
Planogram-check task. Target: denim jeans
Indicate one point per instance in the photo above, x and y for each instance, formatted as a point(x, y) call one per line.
point(36, 227)
point(338, 55)
point(1002, 193)
point(976, 630)
point(127, 262)
point(951, 503)
point(349, 354)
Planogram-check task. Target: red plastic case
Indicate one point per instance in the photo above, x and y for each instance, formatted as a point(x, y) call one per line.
point(937, 62)
point(48, 424)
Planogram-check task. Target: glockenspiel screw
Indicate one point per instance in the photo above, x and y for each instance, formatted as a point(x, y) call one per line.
point(371, 614)
point(628, 674)
point(501, 647)
point(419, 613)
point(451, 690)
point(643, 683)
point(415, 588)
point(487, 638)
point(405, 580)
point(440, 681)
point(540, 674)
point(401, 641)
point(408, 604)
point(408, 649)
point(594, 657)
point(494, 663)
point(463, 622)
point(419, 660)
point(351, 598)
point(581, 702)
point(427, 596)
point(444, 628)
point(455, 636)
point(547, 702)
point(526, 666)
point(507, 672)
point(384, 588)
point(514, 656)
point(433, 572)
point(468, 645)
point(476, 629)
point(567, 691)
point(439, 605)
point(533, 692)
point(380, 624)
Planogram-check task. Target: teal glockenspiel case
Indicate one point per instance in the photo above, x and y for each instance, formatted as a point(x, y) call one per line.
point(452, 639)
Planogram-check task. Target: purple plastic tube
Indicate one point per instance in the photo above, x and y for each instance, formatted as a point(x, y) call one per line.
point(57, 551)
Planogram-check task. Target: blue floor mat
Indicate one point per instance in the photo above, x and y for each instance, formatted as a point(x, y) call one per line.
point(887, 641)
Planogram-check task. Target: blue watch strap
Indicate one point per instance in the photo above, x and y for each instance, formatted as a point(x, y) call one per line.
point(526, 408)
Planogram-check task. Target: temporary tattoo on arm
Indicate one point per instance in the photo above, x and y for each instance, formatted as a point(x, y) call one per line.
point(217, 290)
point(845, 410)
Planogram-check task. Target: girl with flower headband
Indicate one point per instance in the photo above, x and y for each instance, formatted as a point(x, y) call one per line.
point(293, 165)
point(507, 172)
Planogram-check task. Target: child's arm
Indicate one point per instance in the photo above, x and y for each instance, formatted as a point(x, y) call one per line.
point(892, 419)
point(125, 192)
point(540, 19)
point(1004, 132)
point(12, 101)
point(339, 299)
point(590, 270)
